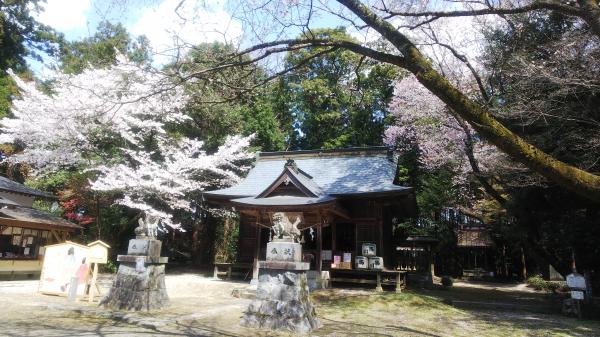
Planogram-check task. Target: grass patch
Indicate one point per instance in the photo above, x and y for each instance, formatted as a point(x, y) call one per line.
point(429, 313)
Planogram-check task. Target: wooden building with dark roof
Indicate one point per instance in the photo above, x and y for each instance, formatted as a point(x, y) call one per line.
point(344, 197)
point(24, 231)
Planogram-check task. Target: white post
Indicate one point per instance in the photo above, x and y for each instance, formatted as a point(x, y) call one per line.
point(93, 284)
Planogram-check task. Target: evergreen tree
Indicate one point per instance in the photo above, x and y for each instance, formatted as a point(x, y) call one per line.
point(100, 50)
point(21, 36)
point(338, 99)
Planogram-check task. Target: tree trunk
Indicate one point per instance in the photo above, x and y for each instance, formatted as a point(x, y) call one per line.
point(523, 264)
point(195, 251)
point(567, 176)
point(98, 218)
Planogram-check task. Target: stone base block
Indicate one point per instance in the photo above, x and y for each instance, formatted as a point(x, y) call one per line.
point(145, 247)
point(134, 289)
point(282, 303)
point(284, 265)
point(569, 307)
point(284, 251)
point(146, 259)
point(317, 280)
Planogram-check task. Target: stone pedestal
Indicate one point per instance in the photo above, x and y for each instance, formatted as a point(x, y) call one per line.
point(140, 281)
point(284, 251)
point(282, 301)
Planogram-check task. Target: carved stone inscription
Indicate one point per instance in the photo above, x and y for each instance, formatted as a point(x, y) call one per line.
point(284, 251)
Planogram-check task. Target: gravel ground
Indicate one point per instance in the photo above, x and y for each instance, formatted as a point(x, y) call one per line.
point(201, 306)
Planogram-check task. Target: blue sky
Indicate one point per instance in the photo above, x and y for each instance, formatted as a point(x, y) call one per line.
point(196, 21)
point(200, 21)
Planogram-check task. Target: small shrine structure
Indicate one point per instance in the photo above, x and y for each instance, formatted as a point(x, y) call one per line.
point(24, 230)
point(341, 199)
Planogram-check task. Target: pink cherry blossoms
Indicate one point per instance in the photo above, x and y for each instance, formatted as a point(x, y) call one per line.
point(423, 120)
point(420, 117)
point(126, 106)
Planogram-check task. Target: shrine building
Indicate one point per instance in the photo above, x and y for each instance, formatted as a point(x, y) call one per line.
point(344, 198)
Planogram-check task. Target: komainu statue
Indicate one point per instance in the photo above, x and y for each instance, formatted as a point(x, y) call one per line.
point(283, 228)
point(148, 227)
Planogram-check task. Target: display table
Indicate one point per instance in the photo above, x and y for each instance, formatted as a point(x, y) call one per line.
point(229, 267)
point(396, 278)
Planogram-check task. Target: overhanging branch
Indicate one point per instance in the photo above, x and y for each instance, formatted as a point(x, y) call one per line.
point(535, 6)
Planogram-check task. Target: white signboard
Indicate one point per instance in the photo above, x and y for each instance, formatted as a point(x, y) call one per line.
point(62, 262)
point(137, 247)
point(575, 281)
point(577, 295)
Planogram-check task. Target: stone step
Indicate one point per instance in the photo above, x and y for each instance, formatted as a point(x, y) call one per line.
point(244, 292)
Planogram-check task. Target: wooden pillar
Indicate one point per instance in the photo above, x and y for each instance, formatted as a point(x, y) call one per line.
point(379, 219)
point(333, 238)
point(379, 288)
point(319, 243)
point(93, 283)
point(399, 282)
point(430, 261)
point(256, 251)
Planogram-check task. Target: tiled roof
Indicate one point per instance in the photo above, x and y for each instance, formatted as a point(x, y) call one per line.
point(34, 216)
point(283, 201)
point(15, 187)
point(336, 173)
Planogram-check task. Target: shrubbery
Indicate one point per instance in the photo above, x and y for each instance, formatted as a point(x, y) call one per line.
point(538, 283)
point(447, 281)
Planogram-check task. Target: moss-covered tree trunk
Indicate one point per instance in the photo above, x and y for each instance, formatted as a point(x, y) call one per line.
point(567, 176)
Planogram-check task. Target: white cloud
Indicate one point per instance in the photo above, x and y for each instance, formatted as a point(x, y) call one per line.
point(64, 15)
point(365, 35)
point(172, 32)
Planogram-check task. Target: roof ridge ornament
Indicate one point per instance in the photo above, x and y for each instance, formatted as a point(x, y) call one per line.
point(292, 164)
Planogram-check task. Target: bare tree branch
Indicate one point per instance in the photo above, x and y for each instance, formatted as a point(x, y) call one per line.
point(587, 10)
point(463, 58)
point(567, 176)
point(537, 5)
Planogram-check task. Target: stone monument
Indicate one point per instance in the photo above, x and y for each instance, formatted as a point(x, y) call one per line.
point(282, 301)
point(140, 281)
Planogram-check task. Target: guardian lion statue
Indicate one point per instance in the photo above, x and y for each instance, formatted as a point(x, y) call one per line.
point(283, 228)
point(148, 227)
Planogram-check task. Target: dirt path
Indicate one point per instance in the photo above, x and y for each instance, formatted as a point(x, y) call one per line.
point(509, 287)
point(199, 306)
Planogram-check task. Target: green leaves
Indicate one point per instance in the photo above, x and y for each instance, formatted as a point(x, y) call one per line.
point(338, 99)
point(100, 50)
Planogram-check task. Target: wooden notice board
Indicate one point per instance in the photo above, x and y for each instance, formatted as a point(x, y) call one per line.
point(62, 262)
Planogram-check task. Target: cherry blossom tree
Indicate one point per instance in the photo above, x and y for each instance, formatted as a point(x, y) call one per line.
point(443, 140)
point(185, 168)
point(118, 122)
point(66, 127)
